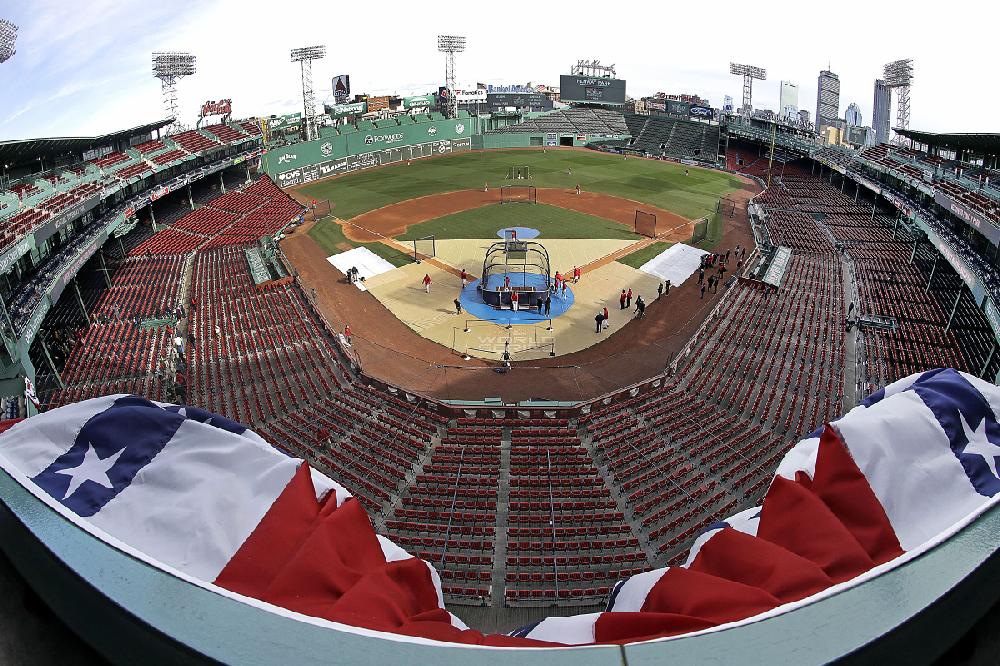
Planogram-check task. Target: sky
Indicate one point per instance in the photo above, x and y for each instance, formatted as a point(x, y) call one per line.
point(83, 67)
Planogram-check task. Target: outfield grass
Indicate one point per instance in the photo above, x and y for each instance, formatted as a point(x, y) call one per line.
point(658, 183)
point(551, 221)
point(639, 257)
point(330, 236)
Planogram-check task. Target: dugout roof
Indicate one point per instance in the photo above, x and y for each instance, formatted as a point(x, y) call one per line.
point(22, 151)
point(978, 143)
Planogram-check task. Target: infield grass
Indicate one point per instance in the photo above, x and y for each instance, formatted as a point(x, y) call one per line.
point(658, 183)
point(551, 221)
point(330, 236)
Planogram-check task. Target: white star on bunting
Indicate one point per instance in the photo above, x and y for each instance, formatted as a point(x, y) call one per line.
point(92, 468)
point(980, 445)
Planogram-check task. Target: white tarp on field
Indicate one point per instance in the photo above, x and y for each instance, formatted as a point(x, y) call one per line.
point(677, 263)
point(367, 262)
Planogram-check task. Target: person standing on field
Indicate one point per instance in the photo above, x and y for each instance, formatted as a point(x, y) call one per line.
point(513, 301)
point(621, 300)
point(628, 298)
point(465, 278)
point(427, 283)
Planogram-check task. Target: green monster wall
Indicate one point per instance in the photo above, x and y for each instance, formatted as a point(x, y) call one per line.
point(352, 149)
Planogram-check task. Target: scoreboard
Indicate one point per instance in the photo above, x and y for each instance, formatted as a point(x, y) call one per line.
point(593, 89)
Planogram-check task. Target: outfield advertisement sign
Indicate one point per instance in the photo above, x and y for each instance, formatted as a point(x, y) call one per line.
point(471, 96)
point(289, 158)
point(284, 123)
point(344, 110)
point(367, 160)
point(969, 216)
point(704, 112)
point(341, 87)
point(599, 89)
point(418, 102)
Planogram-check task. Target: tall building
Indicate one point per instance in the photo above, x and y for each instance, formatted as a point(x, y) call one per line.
point(827, 100)
point(852, 117)
point(789, 96)
point(880, 116)
point(804, 117)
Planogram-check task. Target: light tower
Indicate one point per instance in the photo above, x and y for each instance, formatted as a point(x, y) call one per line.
point(305, 56)
point(450, 45)
point(749, 73)
point(898, 75)
point(8, 37)
point(168, 67)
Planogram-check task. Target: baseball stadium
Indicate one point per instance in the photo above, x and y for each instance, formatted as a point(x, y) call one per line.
point(536, 374)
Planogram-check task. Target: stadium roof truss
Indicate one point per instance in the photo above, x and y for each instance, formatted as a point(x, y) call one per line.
point(21, 150)
point(979, 143)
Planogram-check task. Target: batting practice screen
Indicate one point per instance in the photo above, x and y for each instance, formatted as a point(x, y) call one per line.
point(424, 248)
point(573, 88)
point(517, 194)
point(645, 223)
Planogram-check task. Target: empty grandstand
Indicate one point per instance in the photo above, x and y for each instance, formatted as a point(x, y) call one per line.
point(600, 122)
point(664, 136)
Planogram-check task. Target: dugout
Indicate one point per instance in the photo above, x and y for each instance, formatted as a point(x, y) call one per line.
point(524, 265)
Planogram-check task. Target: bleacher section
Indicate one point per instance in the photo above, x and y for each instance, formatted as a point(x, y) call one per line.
point(673, 137)
point(570, 121)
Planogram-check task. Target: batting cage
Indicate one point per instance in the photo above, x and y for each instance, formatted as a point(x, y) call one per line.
point(727, 207)
point(645, 223)
point(700, 232)
point(517, 194)
point(424, 248)
point(522, 172)
point(515, 266)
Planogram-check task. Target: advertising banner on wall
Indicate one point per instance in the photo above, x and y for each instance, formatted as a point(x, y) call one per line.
point(974, 219)
point(418, 102)
point(573, 88)
point(701, 112)
point(287, 122)
point(341, 86)
point(471, 96)
point(678, 108)
point(345, 110)
point(370, 159)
